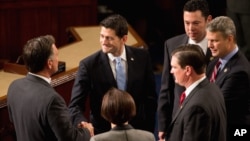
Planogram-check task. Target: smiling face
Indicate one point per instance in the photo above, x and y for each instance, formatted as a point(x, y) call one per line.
point(110, 42)
point(195, 25)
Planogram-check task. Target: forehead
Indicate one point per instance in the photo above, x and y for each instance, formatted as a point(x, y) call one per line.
point(174, 60)
point(215, 34)
point(193, 16)
point(107, 31)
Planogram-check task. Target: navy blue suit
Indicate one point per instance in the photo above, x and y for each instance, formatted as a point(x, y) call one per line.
point(95, 78)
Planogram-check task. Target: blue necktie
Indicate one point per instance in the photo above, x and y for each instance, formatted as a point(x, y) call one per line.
point(120, 74)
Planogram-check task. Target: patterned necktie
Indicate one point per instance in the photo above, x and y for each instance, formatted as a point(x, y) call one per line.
point(120, 74)
point(215, 71)
point(182, 98)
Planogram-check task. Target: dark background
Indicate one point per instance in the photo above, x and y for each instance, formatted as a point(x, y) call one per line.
point(155, 20)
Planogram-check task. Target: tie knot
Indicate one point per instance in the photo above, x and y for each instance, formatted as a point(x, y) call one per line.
point(118, 59)
point(218, 63)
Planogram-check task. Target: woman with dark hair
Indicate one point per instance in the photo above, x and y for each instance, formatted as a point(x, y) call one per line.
point(118, 107)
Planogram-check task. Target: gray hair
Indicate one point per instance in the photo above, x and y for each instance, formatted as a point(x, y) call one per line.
point(222, 24)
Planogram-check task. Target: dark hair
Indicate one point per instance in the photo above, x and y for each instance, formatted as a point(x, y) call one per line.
point(191, 55)
point(37, 51)
point(118, 106)
point(117, 23)
point(194, 5)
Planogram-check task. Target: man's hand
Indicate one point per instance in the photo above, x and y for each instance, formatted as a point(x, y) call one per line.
point(161, 136)
point(87, 125)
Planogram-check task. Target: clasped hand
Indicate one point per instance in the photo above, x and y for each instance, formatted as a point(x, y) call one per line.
point(87, 125)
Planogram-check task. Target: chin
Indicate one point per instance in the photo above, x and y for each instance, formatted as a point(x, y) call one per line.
point(105, 50)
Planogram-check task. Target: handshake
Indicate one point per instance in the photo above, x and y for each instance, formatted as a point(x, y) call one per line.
point(87, 125)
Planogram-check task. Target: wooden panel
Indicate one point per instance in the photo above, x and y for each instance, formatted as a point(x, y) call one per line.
point(21, 20)
point(7, 132)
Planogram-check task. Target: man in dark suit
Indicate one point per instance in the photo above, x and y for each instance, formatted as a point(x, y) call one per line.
point(118, 107)
point(97, 74)
point(233, 76)
point(239, 12)
point(38, 112)
point(196, 16)
point(201, 115)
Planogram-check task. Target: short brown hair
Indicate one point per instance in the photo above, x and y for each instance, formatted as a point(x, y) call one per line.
point(118, 106)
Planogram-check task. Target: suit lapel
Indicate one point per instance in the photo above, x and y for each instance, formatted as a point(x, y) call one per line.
point(105, 68)
point(227, 68)
point(132, 66)
point(208, 56)
point(188, 99)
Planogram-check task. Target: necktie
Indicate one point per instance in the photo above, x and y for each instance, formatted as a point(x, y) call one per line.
point(182, 98)
point(120, 74)
point(215, 71)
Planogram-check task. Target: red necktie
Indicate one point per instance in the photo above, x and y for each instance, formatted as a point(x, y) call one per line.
point(215, 71)
point(182, 98)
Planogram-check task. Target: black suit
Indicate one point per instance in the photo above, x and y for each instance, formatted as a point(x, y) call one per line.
point(95, 78)
point(202, 116)
point(39, 113)
point(234, 82)
point(170, 92)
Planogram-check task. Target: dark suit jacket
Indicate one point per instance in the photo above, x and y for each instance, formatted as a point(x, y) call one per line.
point(124, 133)
point(95, 78)
point(202, 116)
point(39, 113)
point(170, 92)
point(234, 82)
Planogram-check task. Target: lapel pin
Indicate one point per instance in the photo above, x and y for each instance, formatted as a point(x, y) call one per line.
point(132, 59)
point(225, 70)
point(211, 58)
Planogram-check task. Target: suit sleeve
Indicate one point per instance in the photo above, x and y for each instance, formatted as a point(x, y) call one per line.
point(79, 95)
point(60, 123)
point(151, 99)
point(165, 100)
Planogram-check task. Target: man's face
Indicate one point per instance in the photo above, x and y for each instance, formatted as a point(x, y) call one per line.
point(110, 42)
point(178, 72)
point(218, 45)
point(195, 25)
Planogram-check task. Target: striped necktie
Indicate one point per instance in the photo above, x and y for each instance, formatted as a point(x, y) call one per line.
point(215, 71)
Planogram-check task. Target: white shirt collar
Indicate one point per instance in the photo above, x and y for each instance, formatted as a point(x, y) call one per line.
point(202, 44)
point(192, 86)
point(123, 55)
point(42, 77)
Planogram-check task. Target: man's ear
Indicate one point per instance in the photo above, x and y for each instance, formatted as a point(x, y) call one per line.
point(49, 63)
point(189, 70)
point(125, 38)
point(209, 18)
